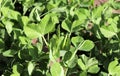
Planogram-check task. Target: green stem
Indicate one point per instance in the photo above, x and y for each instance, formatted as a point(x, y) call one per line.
point(4, 3)
point(79, 46)
point(66, 69)
point(14, 2)
point(47, 12)
point(64, 41)
point(45, 40)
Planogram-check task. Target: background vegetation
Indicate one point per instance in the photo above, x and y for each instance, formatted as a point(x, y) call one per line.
point(59, 37)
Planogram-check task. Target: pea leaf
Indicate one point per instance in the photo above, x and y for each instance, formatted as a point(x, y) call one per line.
point(72, 27)
point(9, 53)
point(113, 65)
point(57, 72)
point(107, 32)
point(67, 25)
point(94, 69)
point(32, 30)
point(17, 69)
point(83, 73)
point(81, 64)
point(25, 20)
point(9, 13)
point(46, 25)
point(76, 40)
point(87, 45)
point(88, 64)
point(77, 25)
point(8, 26)
point(31, 67)
point(81, 14)
point(70, 60)
point(1, 45)
point(98, 11)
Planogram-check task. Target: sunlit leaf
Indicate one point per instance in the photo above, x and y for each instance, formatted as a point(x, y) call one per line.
point(81, 64)
point(88, 64)
point(9, 53)
point(9, 26)
point(32, 30)
point(47, 24)
point(31, 67)
point(66, 24)
point(12, 14)
point(57, 72)
point(17, 69)
point(25, 20)
point(87, 45)
point(76, 40)
point(107, 32)
point(113, 65)
point(94, 69)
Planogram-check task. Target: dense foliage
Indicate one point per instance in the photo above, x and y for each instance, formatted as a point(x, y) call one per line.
point(59, 38)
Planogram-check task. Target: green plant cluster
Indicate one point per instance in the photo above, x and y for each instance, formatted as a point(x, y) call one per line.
point(59, 38)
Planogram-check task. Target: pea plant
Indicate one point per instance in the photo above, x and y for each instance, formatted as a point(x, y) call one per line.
point(59, 38)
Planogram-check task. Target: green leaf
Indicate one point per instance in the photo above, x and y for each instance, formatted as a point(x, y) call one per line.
point(67, 56)
point(87, 45)
point(72, 27)
point(60, 9)
point(76, 40)
point(81, 64)
point(16, 74)
point(33, 53)
point(17, 69)
point(98, 11)
point(1, 45)
point(32, 30)
point(27, 4)
point(9, 13)
point(88, 64)
point(107, 32)
point(0, 1)
point(83, 73)
point(116, 70)
point(30, 67)
point(17, 33)
point(37, 15)
point(67, 25)
point(113, 65)
point(50, 6)
point(57, 72)
point(70, 58)
point(34, 14)
point(113, 24)
point(8, 26)
point(103, 73)
point(25, 20)
point(91, 62)
point(9, 53)
point(93, 69)
point(77, 25)
point(23, 40)
point(81, 14)
point(56, 44)
point(62, 52)
point(71, 62)
point(47, 23)
point(110, 30)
